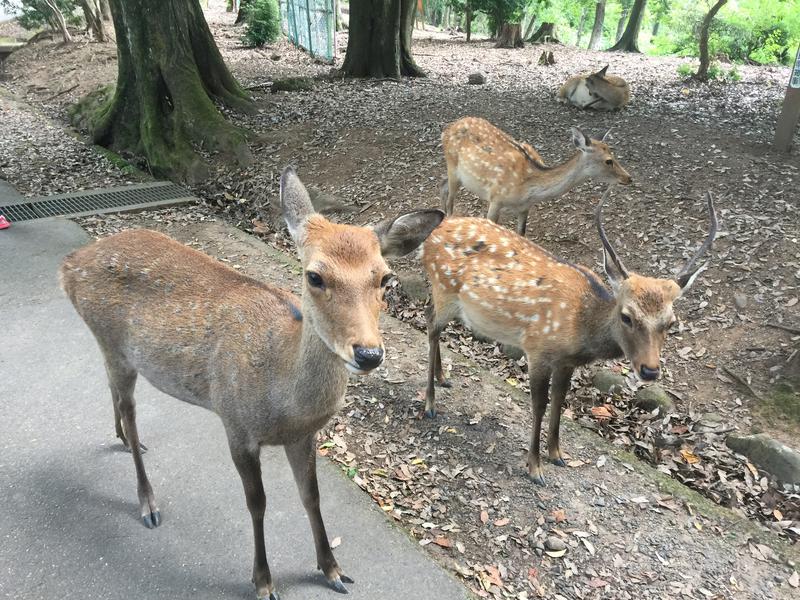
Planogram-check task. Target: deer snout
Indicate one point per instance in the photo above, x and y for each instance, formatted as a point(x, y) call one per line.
point(648, 374)
point(367, 358)
point(625, 179)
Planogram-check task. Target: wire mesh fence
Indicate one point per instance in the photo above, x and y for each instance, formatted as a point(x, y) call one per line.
point(310, 25)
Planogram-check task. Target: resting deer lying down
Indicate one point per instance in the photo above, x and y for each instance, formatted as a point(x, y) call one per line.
point(506, 287)
point(596, 90)
point(272, 366)
point(511, 174)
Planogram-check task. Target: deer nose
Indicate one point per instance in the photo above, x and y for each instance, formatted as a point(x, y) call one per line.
point(367, 358)
point(648, 374)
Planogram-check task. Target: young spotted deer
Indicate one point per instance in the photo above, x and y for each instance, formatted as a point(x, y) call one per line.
point(596, 90)
point(274, 367)
point(505, 287)
point(511, 174)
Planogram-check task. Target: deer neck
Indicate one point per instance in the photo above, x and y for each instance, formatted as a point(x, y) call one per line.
point(556, 181)
point(601, 332)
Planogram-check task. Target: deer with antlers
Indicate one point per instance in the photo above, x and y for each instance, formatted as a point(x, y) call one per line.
point(599, 91)
point(511, 175)
point(506, 287)
point(272, 366)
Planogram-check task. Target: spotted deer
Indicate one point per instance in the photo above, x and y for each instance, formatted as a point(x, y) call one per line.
point(272, 366)
point(504, 286)
point(510, 174)
point(596, 90)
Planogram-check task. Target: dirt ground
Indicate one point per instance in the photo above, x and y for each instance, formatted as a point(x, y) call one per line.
point(373, 148)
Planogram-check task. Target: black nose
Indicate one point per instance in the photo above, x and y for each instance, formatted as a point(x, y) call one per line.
point(648, 374)
point(367, 358)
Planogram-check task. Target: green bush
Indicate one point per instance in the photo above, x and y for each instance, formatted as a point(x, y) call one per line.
point(263, 22)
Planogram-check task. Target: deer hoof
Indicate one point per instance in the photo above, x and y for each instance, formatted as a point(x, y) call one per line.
point(559, 462)
point(338, 586)
point(430, 414)
point(152, 520)
point(142, 447)
point(445, 383)
point(537, 479)
point(272, 596)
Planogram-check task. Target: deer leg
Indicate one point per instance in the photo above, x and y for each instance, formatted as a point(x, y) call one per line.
point(434, 361)
point(248, 463)
point(540, 384)
point(122, 380)
point(302, 457)
point(494, 212)
point(451, 188)
point(120, 430)
point(522, 221)
point(561, 381)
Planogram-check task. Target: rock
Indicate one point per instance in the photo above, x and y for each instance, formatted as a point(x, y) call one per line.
point(607, 381)
point(477, 78)
point(653, 397)
point(414, 286)
point(275, 56)
point(769, 454)
point(293, 84)
point(554, 544)
point(740, 300)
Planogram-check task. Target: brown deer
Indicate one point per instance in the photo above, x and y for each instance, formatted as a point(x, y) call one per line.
point(272, 366)
point(511, 174)
point(596, 90)
point(506, 287)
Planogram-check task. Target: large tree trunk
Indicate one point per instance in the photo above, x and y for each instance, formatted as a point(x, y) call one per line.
point(105, 10)
point(529, 29)
point(170, 73)
point(623, 18)
point(545, 33)
point(379, 44)
point(468, 11)
point(581, 23)
point(629, 42)
point(597, 29)
point(656, 25)
point(94, 20)
point(702, 71)
point(59, 21)
point(510, 36)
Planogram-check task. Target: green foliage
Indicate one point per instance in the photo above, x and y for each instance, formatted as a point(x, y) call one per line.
point(715, 72)
point(686, 70)
point(263, 22)
point(34, 14)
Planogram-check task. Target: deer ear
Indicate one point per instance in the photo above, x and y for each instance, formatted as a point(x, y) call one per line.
point(400, 235)
point(581, 140)
point(295, 204)
point(602, 72)
point(614, 274)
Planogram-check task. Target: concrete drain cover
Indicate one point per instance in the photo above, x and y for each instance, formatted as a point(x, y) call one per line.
point(92, 202)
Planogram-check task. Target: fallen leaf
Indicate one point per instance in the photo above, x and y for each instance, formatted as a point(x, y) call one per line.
point(502, 522)
point(560, 515)
point(484, 517)
point(556, 553)
point(443, 542)
point(601, 413)
point(596, 582)
point(794, 579)
point(336, 542)
point(689, 457)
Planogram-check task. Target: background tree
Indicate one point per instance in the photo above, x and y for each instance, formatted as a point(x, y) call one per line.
point(94, 18)
point(702, 71)
point(379, 43)
point(625, 9)
point(597, 28)
point(629, 42)
point(170, 73)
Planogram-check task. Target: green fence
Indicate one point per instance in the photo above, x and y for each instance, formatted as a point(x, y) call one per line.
point(310, 25)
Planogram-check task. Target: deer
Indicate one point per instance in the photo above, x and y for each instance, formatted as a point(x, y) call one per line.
point(510, 174)
point(505, 287)
point(595, 90)
point(272, 366)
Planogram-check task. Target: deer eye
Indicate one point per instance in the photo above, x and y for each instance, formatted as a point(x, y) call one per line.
point(386, 280)
point(626, 319)
point(315, 280)
point(609, 161)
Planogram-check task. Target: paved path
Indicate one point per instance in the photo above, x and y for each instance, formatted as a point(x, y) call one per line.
point(69, 526)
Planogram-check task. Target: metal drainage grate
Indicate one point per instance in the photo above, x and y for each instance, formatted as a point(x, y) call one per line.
point(78, 204)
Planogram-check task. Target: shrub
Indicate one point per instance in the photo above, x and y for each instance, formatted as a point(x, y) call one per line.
point(686, 70)
point(263, 22)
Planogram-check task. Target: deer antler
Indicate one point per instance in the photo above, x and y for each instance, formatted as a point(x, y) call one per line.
point(598, 218)
point(712, 233)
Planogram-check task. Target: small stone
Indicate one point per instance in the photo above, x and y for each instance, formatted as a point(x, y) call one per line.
point(414, 286)
point(599, 501)
point(275, 56)
point(740, 300)
point(477, 78)
point(607, 381)
point(539, 549)
point(554, 544)
point(653, 397)
point(769, 454)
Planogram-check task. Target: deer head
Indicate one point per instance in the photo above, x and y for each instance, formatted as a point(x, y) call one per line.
point(600, 162)
point(643, 312)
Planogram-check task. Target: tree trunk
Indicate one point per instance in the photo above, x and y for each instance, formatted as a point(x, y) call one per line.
point(94, 20)
point(420, 17)
point(623, 17)
point(529, 29)
point(702, 71)
point(105, 10)
point(629, 42)
point(468, 10)
point(510, 36)
point(241, 16)
point(379, 44)
point(170, 72)
point(656, 25)
point(597, 29)
point(545, 33)
point(58, 18)
point(581, 23)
